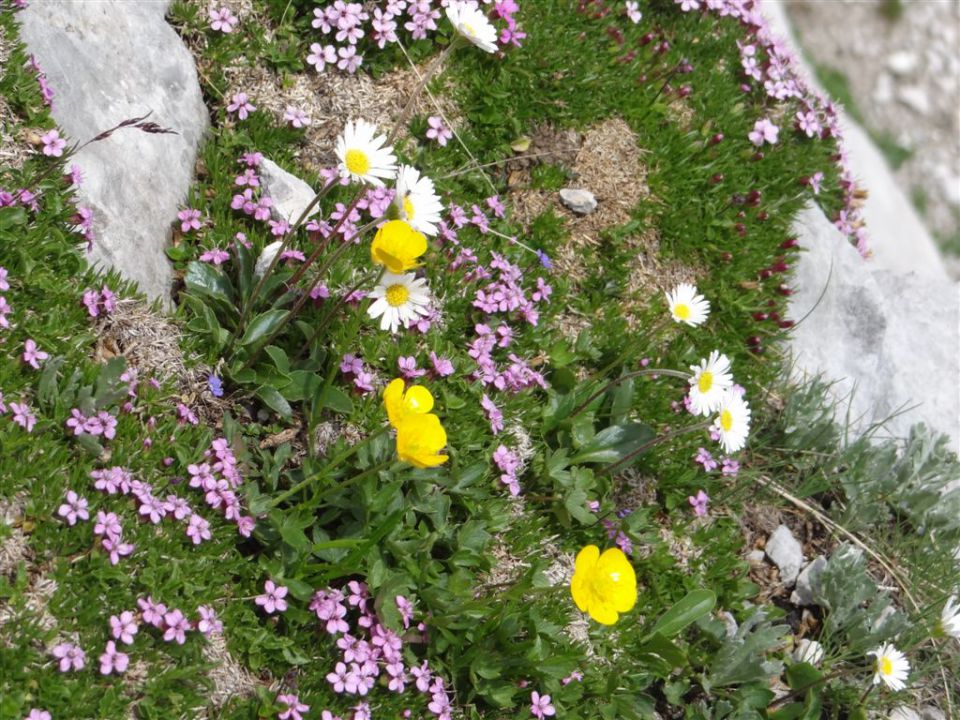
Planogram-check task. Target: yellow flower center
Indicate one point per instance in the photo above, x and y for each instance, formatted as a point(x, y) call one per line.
point(408, 207)
point(682, 311)
point(397, 295)
point(705, 382)
point(357, 162)
point(469, 30)
point(886, 667)
point(726, 420)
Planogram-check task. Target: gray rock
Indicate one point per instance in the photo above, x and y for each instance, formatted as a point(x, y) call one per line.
point(266, 257)
point(579, 200)
point(109, 61)
point(931, 712)
point(784, 550)
point(290, 194)
point(879, 335)
point(902, 62)
point(902, 712)
point(915, 98)
point(755, 557)
point(883, 89)
point(808, 583)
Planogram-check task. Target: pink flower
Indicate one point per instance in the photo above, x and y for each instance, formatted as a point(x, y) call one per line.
point(322, 55)
point(272, 599)
point(406, 610)
point(22, 416)
point(124, 627)
point(189, 219)
point(152, 612)
point(240, 105)
point(296, 117)
point(32, 355)
point(442, 367)
point(294, 707)
point(438, 131)
point(540, 706)
point(764, 131)
point(4, 285)
point(349, 60)
point(730, 467)
point(177, 626)
point(493, 414)
point(408, 368)
point(704, 457)
point(74, 508)
point(38, 714)
point(815, 181)
point(107, 525)
point(209, 623)
point(494, 203)
point(699, 503)
point(222, 20)
point(71, 657)
point(113, 661)
point(53, 144)
point(117, 549)
point(198, 529)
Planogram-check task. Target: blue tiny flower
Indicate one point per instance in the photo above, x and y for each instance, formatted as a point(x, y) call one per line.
point(216, 385)
point(544, 260)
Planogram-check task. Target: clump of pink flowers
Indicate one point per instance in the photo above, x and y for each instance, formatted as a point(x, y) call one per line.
point(509, 464)
point(102, 302)
point(222, 20)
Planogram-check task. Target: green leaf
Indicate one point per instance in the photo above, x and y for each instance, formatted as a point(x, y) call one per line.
point(272, 398)
point(263, 325)
point(695, 605)
point(614, 443)
point(336, 400)
point(279, 357)
point(47, 386)
point(802, 675)
point(10, 216)
point(203, 279)
point(659, 652)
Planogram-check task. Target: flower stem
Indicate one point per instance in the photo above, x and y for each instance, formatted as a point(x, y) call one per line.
point(616, 381)
point(652, 443)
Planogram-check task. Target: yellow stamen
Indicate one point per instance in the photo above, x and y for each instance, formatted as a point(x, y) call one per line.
point(357, 162)
point(682, 311)
point(408, 208)
point(397, 295)
point(705, 382)
point(726, 420)
point(886, 667)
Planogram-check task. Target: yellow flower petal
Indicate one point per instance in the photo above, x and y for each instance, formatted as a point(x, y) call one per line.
point(586, 559)
point(603, 613)
point(580, 593)
point(397, 246)
point(401, 403)
point(393, 400)
point(419, 439)
point(418, 400)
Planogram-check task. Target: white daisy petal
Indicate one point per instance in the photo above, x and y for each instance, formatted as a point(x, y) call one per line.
point(472, 24)
point(418, 200)
point(365, 156)
point(399, 300)
point(710, 379)
point(950, 618)
point(687, 306)
point(732, 423)
point(891, 667)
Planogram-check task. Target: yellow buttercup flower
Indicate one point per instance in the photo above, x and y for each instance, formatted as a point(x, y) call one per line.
point(402, 403)
point(397, 246)
point(603, 585)
point(419, 438)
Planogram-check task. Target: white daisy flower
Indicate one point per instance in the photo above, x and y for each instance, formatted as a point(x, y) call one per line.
point(399, 300)
point(891, 667)
point(687, 306)
point(808, 651)
point(950, 618)
point(418, 199)
point(364, 155)
point(711, 378)
point(732, 423)
point(473, 25)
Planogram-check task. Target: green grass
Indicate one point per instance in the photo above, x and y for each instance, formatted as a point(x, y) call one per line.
point(476, 564)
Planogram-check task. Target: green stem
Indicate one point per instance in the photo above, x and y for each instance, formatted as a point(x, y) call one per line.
point(616, 381)
point(656, 441)
point(346, 483)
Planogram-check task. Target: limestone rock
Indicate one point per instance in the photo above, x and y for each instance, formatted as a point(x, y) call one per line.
point(931, 712)
point(579, 200)
point(808, 583)
point(290, 194)
point(902, 62)
point(882, 336)
point(786, 553)
point(915, 98)
point(110, 61)
point(755, 557)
